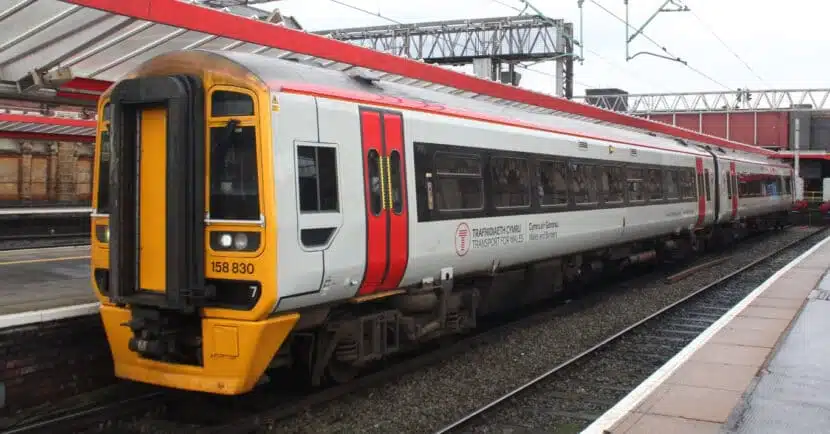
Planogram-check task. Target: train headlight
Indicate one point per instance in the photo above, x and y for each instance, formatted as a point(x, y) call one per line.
point(225, 240)
point(222, 241)
point(102, 233)
point(240, 241)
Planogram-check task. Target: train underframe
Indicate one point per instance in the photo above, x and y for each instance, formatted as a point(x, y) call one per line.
point(335, 343)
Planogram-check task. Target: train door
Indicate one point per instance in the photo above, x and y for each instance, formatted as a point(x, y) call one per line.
point(387, 214)
point(702, 189)
point(707, 180)
point(733, 184)
point(711, 179)
point(152, 168)
point(157, 192)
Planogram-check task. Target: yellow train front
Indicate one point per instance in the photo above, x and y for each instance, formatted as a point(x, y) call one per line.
point(180, 261)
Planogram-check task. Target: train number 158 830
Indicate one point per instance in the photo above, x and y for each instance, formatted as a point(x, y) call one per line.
point(232, 267)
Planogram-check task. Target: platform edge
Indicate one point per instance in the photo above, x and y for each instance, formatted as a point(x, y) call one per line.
point(45, 315)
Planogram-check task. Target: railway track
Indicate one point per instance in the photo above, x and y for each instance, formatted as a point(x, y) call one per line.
point(161, 410)
point(571, 395)
point(31, 227)
point(30, 241)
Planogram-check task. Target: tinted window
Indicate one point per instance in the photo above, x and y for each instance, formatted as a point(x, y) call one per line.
point(226, 103)
point(511, 183)
point(459, 184)
point(234, 183)
point(375, 183)
point(635, 184)
point(728, 179)
point(654, 184)
point(613, 184)
point(708, 180)
point(552, 180)
point(104, 173)
point(584, 184)
point(396, 181)
point(672, 184)
point(317, 178)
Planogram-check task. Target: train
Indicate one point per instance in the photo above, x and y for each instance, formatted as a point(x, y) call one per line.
point(254, 214)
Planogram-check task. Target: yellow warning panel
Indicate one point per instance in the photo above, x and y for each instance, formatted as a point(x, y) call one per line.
point(152, 199)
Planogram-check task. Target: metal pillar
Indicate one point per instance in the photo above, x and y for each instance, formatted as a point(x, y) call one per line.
point(799, 183)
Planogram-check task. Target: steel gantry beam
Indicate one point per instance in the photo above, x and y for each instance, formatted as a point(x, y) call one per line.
point(486, 43)
point(742, 100)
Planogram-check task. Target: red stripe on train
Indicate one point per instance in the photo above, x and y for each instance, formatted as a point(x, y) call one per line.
point(376, 242)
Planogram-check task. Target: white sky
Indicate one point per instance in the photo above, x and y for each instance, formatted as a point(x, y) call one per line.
point(784, 43)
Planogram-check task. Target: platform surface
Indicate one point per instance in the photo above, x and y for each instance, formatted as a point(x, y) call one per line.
point(793, 392)
point(764, 367)
point(36, 279)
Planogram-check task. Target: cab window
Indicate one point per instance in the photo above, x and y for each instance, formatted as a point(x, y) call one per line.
point(104, 163)
point(234, 172)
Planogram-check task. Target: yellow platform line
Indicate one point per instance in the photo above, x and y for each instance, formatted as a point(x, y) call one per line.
point(33, 261)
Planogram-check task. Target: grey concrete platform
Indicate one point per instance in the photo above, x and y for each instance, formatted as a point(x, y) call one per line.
point(38, 279)
point(792, 394)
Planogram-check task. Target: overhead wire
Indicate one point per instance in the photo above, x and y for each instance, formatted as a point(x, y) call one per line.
point(365, 11)
point(662, 47)
point(574, 43)
point(712, 31)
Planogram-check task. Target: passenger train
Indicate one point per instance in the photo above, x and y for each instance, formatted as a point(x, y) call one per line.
point(255, 213)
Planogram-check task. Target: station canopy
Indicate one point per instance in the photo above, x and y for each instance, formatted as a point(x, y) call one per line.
point(67, 52)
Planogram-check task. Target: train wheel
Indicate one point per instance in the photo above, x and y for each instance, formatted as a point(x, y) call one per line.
point(340, 372)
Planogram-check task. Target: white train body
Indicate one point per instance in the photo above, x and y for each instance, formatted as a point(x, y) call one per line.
point(323, 110)
point(256, 213)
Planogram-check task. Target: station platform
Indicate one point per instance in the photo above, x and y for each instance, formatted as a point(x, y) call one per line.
point(44, 284)
point(764, 367)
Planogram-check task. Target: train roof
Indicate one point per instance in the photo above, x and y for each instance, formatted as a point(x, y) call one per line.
point(287, 75)
point(280, 75)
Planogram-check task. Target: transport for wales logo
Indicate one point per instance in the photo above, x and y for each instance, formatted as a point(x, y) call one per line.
point(462, 239)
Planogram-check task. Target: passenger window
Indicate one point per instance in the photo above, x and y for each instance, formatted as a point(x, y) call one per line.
point(460, 184)
point(655, 184)
point(584, 184)
point(227, 103)
point(396, 181)
point(552, 180)
point(511, 182)
point(317, 178)
point(234, 183)
point(708, 180)
point(613, 184)
point(375, 182)
point(743, 191)
point(635, 185)
point(687, 187)
point(672, 183)
point(728, 184)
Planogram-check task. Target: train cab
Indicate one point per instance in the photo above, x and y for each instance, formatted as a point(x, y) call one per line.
point(184, 251)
